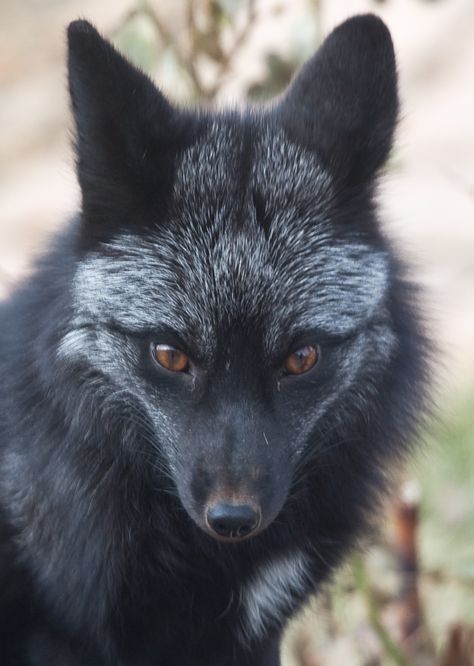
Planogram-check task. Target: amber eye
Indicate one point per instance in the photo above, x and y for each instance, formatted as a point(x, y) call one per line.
point(301, 360)
point(170, 358)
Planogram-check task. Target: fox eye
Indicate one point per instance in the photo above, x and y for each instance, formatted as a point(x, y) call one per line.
point(170, 358)
point(301, 360)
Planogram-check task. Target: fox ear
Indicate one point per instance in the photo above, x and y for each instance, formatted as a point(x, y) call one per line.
point(126, 131)
point(344, 101)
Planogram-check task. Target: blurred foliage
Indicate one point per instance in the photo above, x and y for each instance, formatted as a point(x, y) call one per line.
point(359, 618)
point(196, 56)
point(278, 74)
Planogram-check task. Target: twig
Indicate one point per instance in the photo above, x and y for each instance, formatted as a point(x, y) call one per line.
point(193, 51)
point(188, 58)
point(239, 40)
point(459, 650)
point(440, 576)
point(167, 38)
point(363, 585)
point(405, 515)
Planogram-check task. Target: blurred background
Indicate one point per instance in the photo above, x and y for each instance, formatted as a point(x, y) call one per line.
point(409, 600)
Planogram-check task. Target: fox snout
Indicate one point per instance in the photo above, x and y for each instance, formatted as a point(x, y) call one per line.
point(234, 501)
point(232, 520)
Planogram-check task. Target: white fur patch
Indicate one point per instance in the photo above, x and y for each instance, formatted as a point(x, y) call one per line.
point(74, 344)
point(270, 593)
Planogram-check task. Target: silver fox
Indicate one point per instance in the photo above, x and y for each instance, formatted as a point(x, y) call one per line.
point(212, 371)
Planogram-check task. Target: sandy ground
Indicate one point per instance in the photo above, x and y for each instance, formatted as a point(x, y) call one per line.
point(428, 196)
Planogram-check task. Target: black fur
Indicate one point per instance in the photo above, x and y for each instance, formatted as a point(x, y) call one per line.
point(238, 237)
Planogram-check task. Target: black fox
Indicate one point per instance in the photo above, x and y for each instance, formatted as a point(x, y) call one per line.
point(209, 376)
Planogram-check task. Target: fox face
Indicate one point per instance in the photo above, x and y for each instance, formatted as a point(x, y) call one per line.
point(233, 295)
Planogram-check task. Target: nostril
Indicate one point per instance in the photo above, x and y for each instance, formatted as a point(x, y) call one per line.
point(233, 520)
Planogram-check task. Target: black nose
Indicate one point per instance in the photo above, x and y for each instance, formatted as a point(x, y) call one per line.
point(233, 520)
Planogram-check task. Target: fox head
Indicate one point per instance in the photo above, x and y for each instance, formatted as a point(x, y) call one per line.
point(232, 288)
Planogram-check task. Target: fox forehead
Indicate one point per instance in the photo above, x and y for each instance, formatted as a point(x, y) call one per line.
point(249, 237)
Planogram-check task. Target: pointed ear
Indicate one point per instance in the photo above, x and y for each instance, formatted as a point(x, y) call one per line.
point(126, 131)
point(344, 102)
